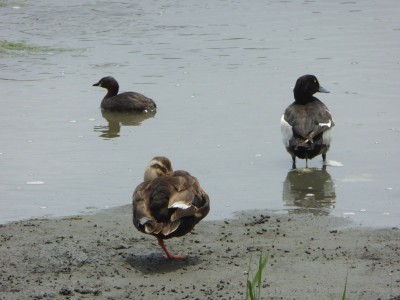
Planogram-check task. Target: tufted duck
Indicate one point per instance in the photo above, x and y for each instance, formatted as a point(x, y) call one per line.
point(306, 124)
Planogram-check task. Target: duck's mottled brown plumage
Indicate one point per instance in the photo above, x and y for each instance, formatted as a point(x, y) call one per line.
point(168, 203)
point(128, 101)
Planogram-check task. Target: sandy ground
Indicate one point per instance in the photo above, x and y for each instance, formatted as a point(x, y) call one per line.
point(102, 256)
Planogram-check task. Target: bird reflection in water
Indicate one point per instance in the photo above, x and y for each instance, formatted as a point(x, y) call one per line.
point(309, 191)
point(117, 119)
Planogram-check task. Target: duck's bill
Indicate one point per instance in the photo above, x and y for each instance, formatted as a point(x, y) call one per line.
point(322, 90)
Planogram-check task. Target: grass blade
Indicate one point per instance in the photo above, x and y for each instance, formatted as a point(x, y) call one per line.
point(250, 291)
point(261, 266)
point(248, 288)
point(345, 287)
point(253, 290)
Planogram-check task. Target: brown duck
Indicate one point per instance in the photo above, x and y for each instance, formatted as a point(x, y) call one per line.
point(168, 203)
point(128, 101)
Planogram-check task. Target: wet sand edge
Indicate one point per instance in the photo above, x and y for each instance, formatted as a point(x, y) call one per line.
point(103, 256)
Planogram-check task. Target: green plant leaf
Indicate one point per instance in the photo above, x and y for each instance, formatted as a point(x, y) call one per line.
point(248, 281)
point(345, 286)
point(257, 280)
point(250, 290)
point(253, 290)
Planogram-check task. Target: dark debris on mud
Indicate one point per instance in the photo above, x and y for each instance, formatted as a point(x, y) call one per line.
point(102, 256)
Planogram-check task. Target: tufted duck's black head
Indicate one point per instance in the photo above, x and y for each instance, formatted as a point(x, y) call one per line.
point(306, 86)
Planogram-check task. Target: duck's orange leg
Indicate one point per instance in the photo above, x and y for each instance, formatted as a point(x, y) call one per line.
point(167, 254)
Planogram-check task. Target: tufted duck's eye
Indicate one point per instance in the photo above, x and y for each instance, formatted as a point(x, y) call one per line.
point(315, 80)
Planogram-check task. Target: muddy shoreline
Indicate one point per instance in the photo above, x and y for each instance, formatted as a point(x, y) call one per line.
point(102, 256)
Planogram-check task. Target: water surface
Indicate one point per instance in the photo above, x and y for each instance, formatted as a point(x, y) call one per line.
point(222, 73)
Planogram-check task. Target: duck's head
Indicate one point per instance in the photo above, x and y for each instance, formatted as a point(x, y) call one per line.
point(306, 86)
point(158, 166)
point(108, 83)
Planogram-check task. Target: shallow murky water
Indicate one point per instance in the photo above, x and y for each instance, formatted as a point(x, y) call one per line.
point(221, 73)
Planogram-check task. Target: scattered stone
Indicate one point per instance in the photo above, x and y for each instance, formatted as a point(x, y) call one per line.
point(66, 291)
point(120, 247)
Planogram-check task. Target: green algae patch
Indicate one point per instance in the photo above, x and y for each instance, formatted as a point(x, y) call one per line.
point(20, 49)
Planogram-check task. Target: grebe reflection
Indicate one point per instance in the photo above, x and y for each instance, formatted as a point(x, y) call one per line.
point(117, 119)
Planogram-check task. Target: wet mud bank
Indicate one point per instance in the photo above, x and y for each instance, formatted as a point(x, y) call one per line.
point(102, 256)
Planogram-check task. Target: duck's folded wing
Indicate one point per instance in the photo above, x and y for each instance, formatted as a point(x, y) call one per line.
point(182, 180)
point(322, 121)
point(138, 101)
point(170, 227)
point(306, 123)
point(320, 128)
point(142, 218)
point(188, 198)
